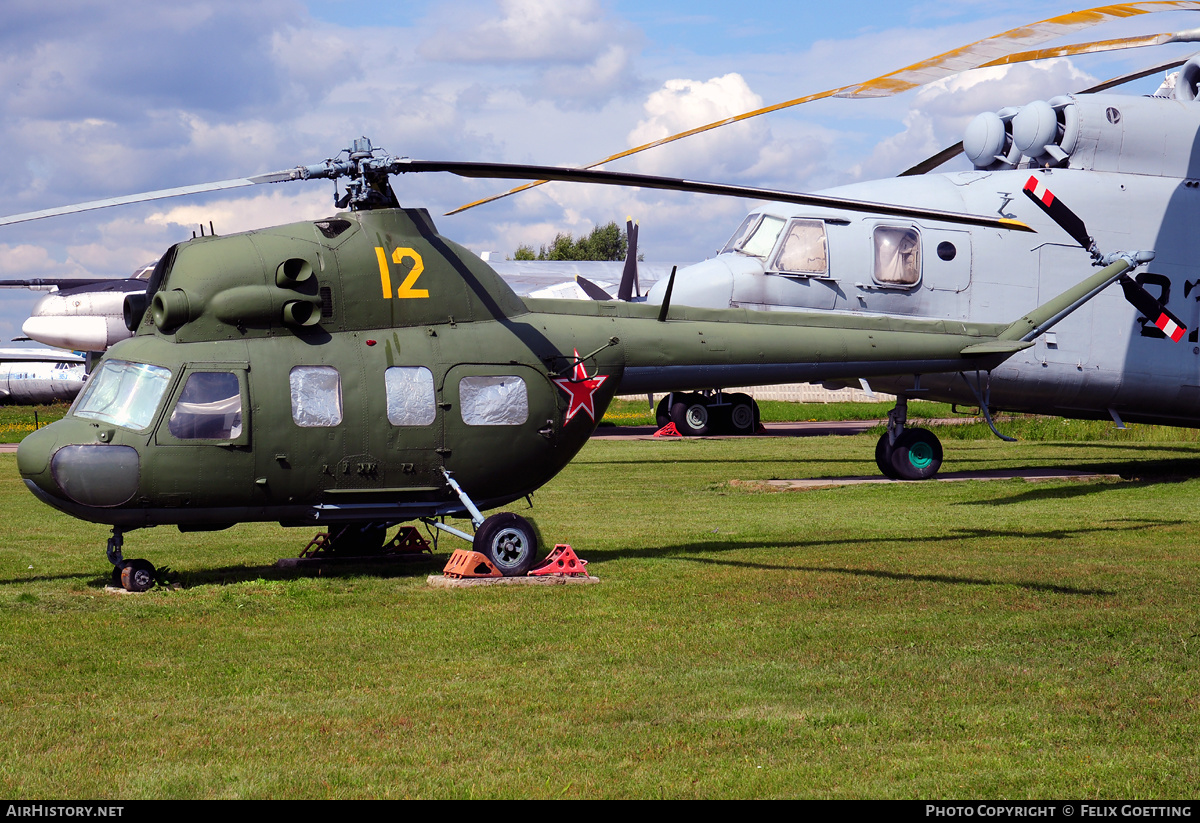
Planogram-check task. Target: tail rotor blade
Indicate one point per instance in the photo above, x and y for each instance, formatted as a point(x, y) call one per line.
point(1152, 307)
point(629, 276)
point(1071, 223)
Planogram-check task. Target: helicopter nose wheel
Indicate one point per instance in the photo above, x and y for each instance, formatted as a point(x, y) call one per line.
point(509, 541)
point(916, 455)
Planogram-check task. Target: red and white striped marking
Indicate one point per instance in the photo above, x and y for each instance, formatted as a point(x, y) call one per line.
point(1039, 190)
point(1170, 328)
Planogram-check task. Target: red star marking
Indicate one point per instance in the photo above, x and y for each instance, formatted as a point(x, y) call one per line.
point(580, 388)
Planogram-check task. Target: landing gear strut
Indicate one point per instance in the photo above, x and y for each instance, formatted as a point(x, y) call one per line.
point(131, 575)
point(907, 454)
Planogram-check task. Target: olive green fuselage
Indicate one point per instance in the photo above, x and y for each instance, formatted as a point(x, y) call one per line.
point(360, 357)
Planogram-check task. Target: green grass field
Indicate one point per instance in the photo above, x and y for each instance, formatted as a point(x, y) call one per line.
point(991, 640)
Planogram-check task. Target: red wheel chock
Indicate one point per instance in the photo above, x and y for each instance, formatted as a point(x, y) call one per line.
point(668, 430)
point(408, 541)
point(561, 560)
point(466, 563)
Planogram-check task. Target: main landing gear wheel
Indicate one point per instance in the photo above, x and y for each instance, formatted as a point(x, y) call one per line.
point(689, 413)
point(136, 575)
point(662, 412)
point(509, 541)
point(916, 455)
point(743, 414)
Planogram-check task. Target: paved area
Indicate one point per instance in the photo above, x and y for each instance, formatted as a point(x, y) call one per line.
point(807, 429)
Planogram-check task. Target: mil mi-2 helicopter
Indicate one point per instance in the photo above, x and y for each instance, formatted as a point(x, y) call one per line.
point(1134, 162)
point(362, 370)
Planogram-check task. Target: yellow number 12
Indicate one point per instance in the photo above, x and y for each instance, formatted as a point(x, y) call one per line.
point(406, 288)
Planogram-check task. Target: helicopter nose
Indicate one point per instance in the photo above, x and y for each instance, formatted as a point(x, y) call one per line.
point(708, 284)
point(89, 474)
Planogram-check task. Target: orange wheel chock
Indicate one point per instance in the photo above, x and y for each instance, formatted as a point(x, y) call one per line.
point(466, 563)
point(562, 560)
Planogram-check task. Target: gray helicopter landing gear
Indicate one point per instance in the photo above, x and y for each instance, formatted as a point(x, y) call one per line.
point(131, 575)
point(504, 544)
point(696, 414)
point(907, 454)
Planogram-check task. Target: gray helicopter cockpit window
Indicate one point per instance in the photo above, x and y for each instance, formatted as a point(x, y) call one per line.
point(756, 236)
point(897, 256)
point(410, 396)
point(124, 394)
point(209, 408)
point(316, 396)
point(803, 249)
point(493, 400)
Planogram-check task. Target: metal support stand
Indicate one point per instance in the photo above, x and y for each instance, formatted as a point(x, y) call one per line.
point(897, 417)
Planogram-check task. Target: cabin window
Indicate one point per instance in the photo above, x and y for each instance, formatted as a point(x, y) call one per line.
point(493, 400)
point(124, 394)
point(209, 408)
point(410, 396)
point(756, 236)
point(897, 256)
point(803, 249)
point(316, 396)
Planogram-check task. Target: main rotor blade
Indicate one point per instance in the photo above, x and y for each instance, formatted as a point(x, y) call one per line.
point(270, 177)
point(989, 51)
point(612, 178)
point(950, 152)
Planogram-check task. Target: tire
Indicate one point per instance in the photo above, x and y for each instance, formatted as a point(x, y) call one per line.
point(690, 414)
point(116, 573)
point(917, 454)
point(137, 576)
point(662, 413)
point(509, 541)
point(743, 414)
point(883, 457)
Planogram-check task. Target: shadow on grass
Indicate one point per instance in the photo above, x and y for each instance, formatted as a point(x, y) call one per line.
point(918, 578)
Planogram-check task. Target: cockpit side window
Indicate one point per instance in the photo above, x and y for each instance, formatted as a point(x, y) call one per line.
point(124, 394)
point(743, 231)
point(756, 236)
point(208, 408)
point(316, 396)
point(804, 248)
point(897, 256)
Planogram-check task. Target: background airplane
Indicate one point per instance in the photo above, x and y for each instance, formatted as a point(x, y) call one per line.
point(33, 376)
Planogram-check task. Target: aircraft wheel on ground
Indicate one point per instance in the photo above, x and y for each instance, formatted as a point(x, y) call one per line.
point(917, 454)
point(690, 414)
point(743, 414)
point(509, 541)
point(883, 457)
point(662, 413)
point(137, 575)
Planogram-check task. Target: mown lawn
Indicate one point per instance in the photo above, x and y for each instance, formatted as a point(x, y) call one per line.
point(993, 640)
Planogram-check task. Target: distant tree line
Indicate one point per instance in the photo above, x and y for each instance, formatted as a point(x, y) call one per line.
point(608, 242)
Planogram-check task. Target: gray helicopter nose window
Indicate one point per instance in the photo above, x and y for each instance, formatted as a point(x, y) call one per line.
point(316, 396)
point(897, 256)
point(488, 400)
point(410, 396)
point(209, 408)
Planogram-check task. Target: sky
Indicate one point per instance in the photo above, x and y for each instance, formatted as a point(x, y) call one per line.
point(99, 99)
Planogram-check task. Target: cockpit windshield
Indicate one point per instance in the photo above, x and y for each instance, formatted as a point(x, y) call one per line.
point(124, 394)
point(756, 236)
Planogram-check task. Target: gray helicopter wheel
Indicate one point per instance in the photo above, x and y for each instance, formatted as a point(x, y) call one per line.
point(743, 414)
point(916, 455)
point(690, 414)
point(509, 541)
point(137, 575)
